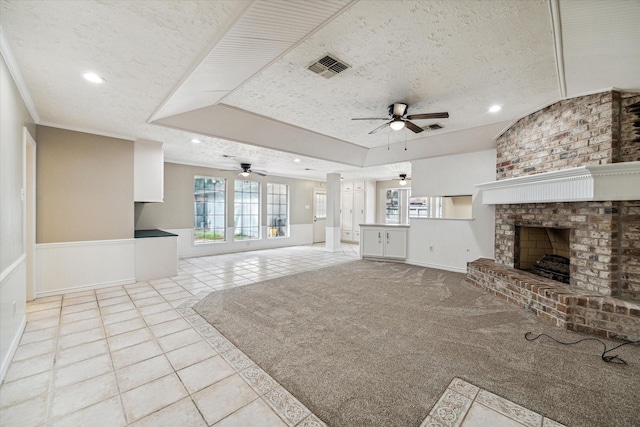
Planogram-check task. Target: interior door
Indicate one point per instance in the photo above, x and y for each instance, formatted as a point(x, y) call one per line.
point(319, 215)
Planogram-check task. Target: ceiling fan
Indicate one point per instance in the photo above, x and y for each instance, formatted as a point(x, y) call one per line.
point(245, 170)
point(399, 118)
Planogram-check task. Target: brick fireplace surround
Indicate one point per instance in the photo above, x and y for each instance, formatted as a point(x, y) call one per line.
point(579, 134)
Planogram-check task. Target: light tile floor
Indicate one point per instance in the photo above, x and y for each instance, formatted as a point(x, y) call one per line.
point(138, 355)
point(465, 405)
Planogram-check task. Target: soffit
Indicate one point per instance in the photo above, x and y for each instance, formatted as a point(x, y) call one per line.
point(265, 30)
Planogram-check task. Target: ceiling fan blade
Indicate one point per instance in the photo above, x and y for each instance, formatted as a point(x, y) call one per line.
point(378, 129)
point(259, 173)
point(413, 127)
point(372, 118)
point(444, 115)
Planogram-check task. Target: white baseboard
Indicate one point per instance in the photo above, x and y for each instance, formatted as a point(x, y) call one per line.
point(76, 266)
point(13, 310)
point(437, 266)
point(6, 361)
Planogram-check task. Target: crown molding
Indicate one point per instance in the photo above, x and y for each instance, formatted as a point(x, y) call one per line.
point(10, 60)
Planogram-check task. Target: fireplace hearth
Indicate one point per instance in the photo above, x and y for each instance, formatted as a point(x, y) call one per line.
point(567, 211)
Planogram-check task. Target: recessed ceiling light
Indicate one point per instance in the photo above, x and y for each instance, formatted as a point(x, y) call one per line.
point(93, 78)
point(296, 160)
point(196, 141)
point(495, 108)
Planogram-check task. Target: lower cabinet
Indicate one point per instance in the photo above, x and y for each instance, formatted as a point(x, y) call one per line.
point(383, 242)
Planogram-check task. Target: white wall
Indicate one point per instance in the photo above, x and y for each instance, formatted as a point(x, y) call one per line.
point(14, 116)
point(449, 244)
point(300, 234)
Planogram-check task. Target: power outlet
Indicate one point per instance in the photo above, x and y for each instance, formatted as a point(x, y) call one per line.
point(15, 309)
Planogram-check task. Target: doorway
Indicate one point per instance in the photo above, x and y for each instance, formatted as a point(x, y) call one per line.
point(319, 215)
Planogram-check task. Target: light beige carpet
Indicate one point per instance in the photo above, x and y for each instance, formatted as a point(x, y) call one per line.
point(375, 344)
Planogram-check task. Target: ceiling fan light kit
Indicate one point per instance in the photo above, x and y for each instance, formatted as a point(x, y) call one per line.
point(396, 124)
point(400, 119)
point(403, 179)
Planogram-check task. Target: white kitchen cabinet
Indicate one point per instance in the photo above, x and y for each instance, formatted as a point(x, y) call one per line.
point(156, 254)
point(148, 171)
point(357, 197)
point(347, 211)
point(383, 241)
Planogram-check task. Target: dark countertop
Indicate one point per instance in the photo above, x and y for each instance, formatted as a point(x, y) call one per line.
point(138, 234)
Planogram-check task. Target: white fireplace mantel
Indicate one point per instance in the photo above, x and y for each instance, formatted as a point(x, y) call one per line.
point(610, 182)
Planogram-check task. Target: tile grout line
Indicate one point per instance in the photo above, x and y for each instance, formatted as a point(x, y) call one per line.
point(50, 389)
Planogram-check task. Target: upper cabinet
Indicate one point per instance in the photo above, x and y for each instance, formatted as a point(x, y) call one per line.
point(357, 207)
point(148, 171)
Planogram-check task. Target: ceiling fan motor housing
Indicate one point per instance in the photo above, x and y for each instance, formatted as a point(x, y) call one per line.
point(245, 166)
point(398, 109)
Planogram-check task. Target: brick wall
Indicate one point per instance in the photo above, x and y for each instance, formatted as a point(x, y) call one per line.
point(629, 134)
point(569, 133)
point(593, 240)
point(630, 250)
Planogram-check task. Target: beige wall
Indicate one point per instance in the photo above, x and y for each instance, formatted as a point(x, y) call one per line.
point(84, 186)
point(177, 210)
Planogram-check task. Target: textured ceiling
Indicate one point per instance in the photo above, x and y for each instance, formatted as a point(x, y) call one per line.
point(436, 56)
point(458, 56)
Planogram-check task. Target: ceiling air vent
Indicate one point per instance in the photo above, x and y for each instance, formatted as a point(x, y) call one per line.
point(435, 126)
point(328, 66)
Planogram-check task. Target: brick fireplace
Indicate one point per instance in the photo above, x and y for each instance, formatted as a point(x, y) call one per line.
point(568, 181)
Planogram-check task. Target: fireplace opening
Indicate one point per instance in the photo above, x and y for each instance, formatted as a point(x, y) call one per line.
point(543, 251)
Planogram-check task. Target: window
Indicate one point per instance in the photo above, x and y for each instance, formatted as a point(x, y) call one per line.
point(392, 208)
point(425, 207)
point(321, 205)
point(209, 209)
point(246, 210)
point(277, 210)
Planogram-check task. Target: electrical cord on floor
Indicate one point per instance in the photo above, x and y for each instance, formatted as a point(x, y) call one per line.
point(607, 358)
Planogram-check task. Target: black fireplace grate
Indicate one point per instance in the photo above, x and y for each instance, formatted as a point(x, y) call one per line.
point(554, 267)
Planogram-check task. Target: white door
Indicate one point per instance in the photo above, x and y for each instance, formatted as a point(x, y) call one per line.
point(395, 243)
point(319, 215)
